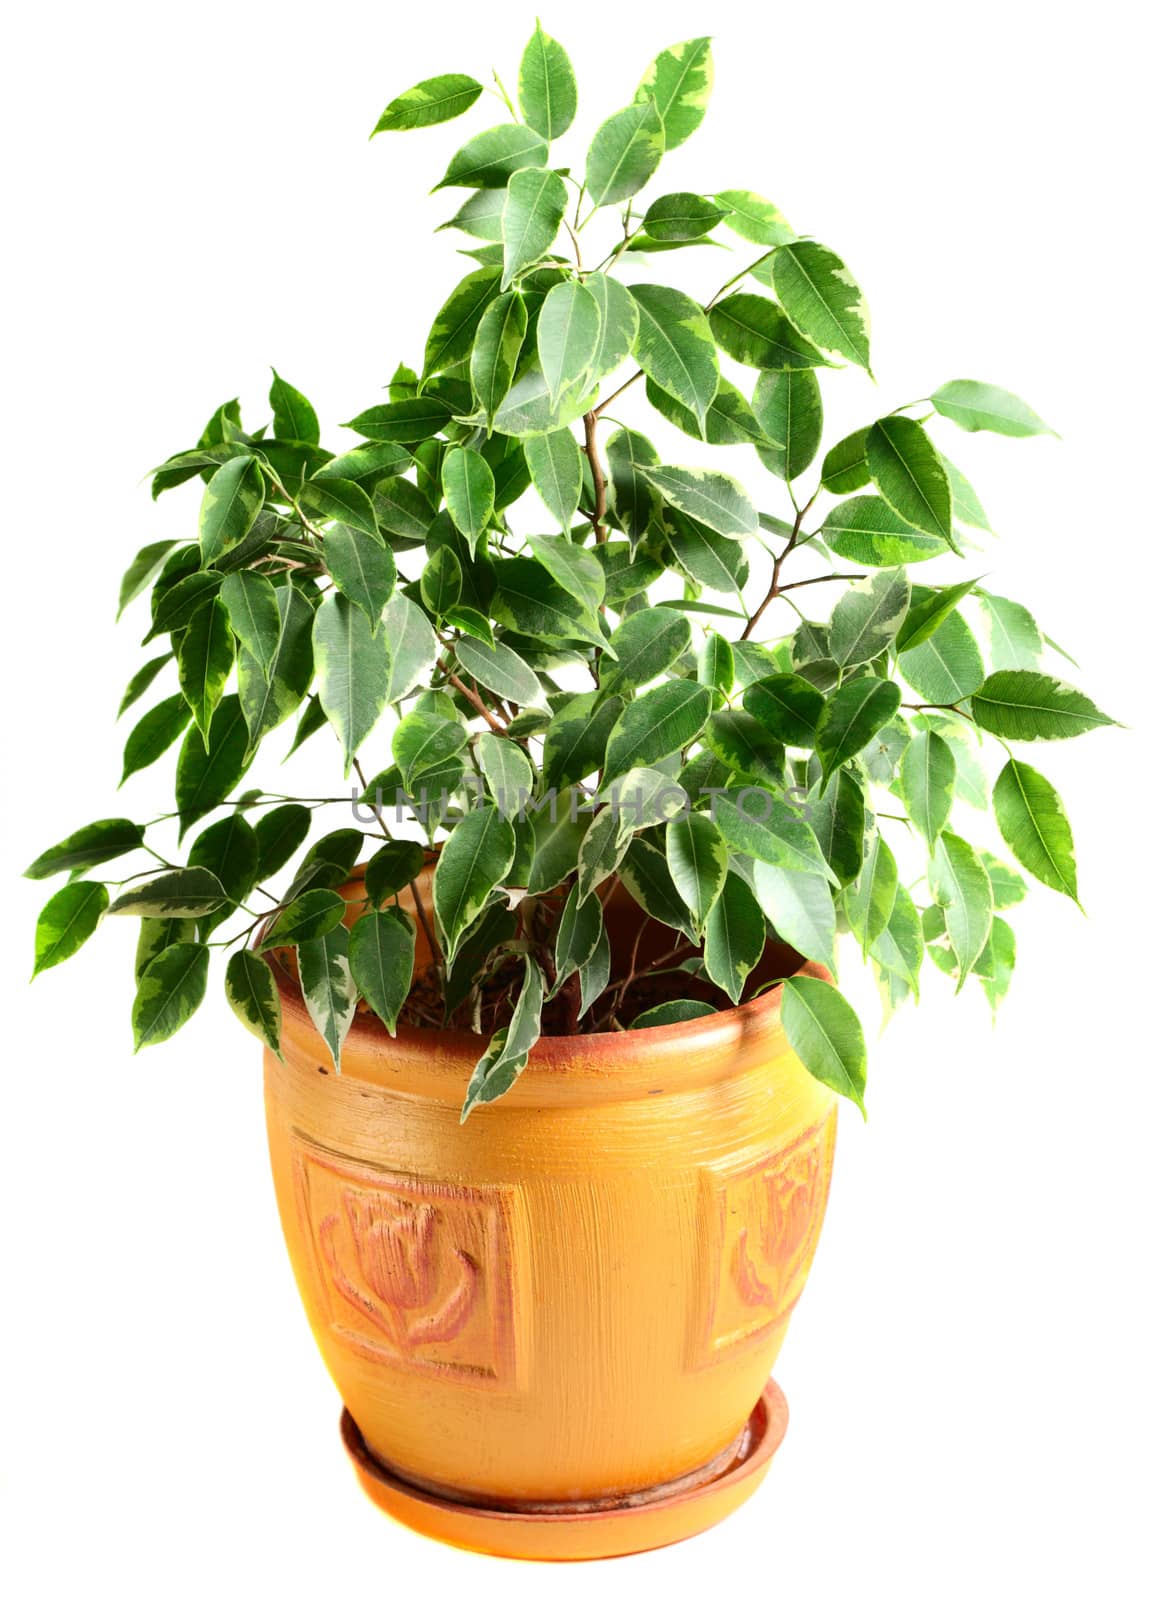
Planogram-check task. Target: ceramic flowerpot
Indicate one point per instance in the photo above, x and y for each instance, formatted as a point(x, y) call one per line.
point(553, 1326)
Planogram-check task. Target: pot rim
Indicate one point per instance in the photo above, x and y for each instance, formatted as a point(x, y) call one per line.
point(436, 1063)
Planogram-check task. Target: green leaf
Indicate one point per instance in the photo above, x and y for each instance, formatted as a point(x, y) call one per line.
point(575, 742)
point(734, 937)
point(547, 87)
point(644, 798)
point(675, 346)
point(311, 916)
point(451, 336)
point(535, 206)
point(671, 1012)
point(528, 408)
point(866, 530)
point(899, 948)
point(509, 1050)
point(579, 930)
point(711, 560)
point(474, 860)
point(602, 848)
point(760, 825)
point(334, 500)
point(251, 602)
point(837, 817)
point(204, 661)
point(497, 343)
point(868, 616)
point(233, 496)
point(789, 408)
point(328, 862)
point(624, 153)
point(490, 158)
point(252, 993)
point(679, 81)
point(646, 875)
point(788, 707)
point(413, 646)
point(555, 464)
point(635, 503)
point(428, 102)
point(508, 773)
point(845, 466)
point(1007, 887)
point(869, 901)
point(746, 748)
point(362, 568)
point(1032, 705)
point(716, 666)
point(712, 498)
point(755, 331)
point(279, 834)
point(965, 502)
point(908, 473)
point(206, 772)
point(141, 570)
point(568, 327)
point(89, 846)
point(500, 670)
point(982, 407)
point(947, 667)
point(293, 416)
point(403, 421)
point(381, 947)
point(353, 670)
point(729, 418)
point(929, 613)
point(655, 725)
point(170, 989)
point(394, 866)
point(696, 855)
point(927, 779)
point(850, 717)
point(618, 324)
point(185, 892)
point(1016, 638)
point(822, 299)
point(677, 217)
point(266, 700)
point(754, 218)
point(229, 850)
point(1033, 822)
point(154, 733)
point(799, 908)
point(960, 884)
point(826, 1035)
point(69, 918)
point(997, 962)
point(532, 603)
point(572, 568)
point(423, 742)
point(141, 680)
point(156, 934)
point(328, 989)
point(441, 582)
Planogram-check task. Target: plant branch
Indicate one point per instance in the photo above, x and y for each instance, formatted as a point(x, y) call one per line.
point(775, 588)
point(827, 577)
point(476, 701)
point(590, 425)
point(611, 398)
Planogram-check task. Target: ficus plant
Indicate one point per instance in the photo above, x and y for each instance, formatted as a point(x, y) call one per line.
point(562, 666)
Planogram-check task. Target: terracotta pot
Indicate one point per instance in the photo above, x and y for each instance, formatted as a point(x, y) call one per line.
point(551, 1326)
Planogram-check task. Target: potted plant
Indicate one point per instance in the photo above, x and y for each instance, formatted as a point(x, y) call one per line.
point(552, 1041)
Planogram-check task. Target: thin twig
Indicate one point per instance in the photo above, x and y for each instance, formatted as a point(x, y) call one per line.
point(590, 426)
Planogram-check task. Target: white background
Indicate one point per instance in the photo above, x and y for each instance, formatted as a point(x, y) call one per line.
point(194, 198)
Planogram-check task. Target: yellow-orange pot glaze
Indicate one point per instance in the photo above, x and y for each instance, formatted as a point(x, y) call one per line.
point(578, 1294)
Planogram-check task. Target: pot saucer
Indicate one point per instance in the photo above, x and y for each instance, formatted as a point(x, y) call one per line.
point(565, 1532)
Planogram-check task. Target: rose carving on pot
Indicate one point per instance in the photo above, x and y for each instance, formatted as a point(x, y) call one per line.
point(771, 1248)
point(392, 1270)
